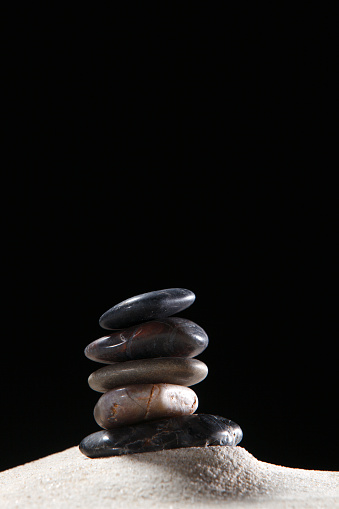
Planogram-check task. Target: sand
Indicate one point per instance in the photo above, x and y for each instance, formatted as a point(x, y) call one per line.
point(201, 477)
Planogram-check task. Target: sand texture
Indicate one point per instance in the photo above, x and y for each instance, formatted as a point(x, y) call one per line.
point(193, 477)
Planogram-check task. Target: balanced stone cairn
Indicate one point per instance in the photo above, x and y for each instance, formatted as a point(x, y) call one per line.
point(147, 404)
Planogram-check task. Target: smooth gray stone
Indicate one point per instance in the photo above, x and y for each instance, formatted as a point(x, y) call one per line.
point(147, 306)
point(169, 337)
point(171, 370)
point(143, 402)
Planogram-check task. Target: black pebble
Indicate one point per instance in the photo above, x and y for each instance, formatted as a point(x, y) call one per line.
point(198, 430)
point(147, 306)
point(167, 337)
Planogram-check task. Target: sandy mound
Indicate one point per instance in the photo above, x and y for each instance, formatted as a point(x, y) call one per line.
point(175, 478)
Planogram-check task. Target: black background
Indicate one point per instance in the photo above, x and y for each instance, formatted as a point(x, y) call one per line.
point(151, 148)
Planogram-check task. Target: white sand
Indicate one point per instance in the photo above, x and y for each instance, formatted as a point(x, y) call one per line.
point(204, 477)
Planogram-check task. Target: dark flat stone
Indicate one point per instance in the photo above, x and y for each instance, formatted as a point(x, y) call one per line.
point(198, 430)
point(169, 337)
point(147, 306)
point(170, 370)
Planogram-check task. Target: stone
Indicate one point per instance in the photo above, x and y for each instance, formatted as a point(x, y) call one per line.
point(171, 370)
point(147, 306)
point(169, 337)
point(143, 402)
point(198, 430)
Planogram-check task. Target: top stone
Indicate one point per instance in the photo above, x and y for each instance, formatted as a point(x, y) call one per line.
point(147, 306)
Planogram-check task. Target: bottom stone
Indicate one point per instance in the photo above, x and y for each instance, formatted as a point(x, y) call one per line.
point(198, 430)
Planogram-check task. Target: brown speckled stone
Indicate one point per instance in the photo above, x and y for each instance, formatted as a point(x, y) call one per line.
point(143, 402)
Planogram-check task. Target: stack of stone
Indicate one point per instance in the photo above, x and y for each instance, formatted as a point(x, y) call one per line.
point(147, 404)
